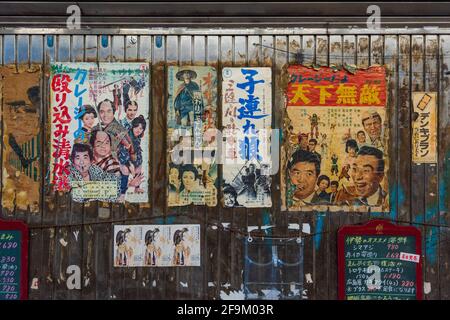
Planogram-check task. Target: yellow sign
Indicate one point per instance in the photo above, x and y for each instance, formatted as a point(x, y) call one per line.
point(95, 189)
point(424, 125)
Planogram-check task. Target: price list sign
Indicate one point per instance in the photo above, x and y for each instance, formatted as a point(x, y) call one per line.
point(13, 260)
point(379, 261)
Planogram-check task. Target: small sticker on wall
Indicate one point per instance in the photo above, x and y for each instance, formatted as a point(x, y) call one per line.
point(409, 257)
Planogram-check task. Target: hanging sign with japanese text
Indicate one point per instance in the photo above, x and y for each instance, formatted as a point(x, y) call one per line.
point(13, 260)
point(424, 126)
point(247, 121)
point(336, 139)
point(379, 261)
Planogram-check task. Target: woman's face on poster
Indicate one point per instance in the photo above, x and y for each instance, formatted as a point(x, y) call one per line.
point(352, 152)
point(106, 113)
point(323, 185)
point(82, 162)
point(189, 180)
point(88, 120)
point(102, 145)
point(137, 131)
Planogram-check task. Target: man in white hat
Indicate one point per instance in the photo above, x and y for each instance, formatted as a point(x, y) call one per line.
point(372, 123)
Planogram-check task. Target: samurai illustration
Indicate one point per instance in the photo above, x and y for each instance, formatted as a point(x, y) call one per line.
point(123, 253)
point(188, 98)
point(181, 251)
point(152, 252)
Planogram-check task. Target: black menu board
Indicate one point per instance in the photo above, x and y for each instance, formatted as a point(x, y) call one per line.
point(13, 260)
point(379, 261)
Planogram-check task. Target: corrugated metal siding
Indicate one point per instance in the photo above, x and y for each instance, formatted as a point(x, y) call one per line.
point(418, 193)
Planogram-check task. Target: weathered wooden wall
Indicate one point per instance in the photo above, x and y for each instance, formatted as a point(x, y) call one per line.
point(66, 233)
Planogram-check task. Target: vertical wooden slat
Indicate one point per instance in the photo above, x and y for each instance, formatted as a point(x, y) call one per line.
point(196, 277)
point(162, 48)
point(363, 51)
point(404, 130)
point(418, 59)
point(117, 279)
point(239, 215)
point(211, 257)
point(145, 274)
point(443, 167)
point(91, 46)
point(47, 284)
point(36, 270)
point(431, 192)
point(322, 219)
point(336, 219)
point(308, 217)
point(391, 62)
point(9, 49)
point(224, 277)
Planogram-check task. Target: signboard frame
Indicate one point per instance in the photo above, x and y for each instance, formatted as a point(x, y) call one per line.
point(23, 228)
point(378, 227)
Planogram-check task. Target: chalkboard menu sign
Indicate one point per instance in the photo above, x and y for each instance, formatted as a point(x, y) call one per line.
point(379, 261)
point(13, 260)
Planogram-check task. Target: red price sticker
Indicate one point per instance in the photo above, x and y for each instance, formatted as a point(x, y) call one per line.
point(409, 257)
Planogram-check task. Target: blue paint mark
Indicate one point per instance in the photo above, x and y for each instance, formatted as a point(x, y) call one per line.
point(431, 239)
point(170, 219)
point(395, 194)
point(159, 221)
point(443, 187)
point(375, 214)
point(431, 236)
point(266, 221)
point(158, 41)
point(104, 41)
point(50, 40)
point(319, 228)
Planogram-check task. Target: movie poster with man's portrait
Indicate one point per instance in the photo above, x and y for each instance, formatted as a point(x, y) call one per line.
point(191, 134)
point(336, 139)
point(100, 131)
point(247, 121)
point(157, 245)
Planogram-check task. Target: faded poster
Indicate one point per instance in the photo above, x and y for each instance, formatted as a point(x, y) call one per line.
point(100, 130)
point(191, 129)
point(247, 120)
point(336, 139)
point(424, 126)
point(156, 245)
point(21, 99)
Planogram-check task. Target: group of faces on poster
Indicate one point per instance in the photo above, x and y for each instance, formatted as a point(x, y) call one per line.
point(109, 149)
point(355, 181)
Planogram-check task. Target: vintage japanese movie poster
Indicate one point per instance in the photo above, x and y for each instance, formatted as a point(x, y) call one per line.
point(100, 131)
point(247, 120)
point(424, 126)
point(336, 139)
point(20, 97)
point(156, 245)
point(191, 134)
